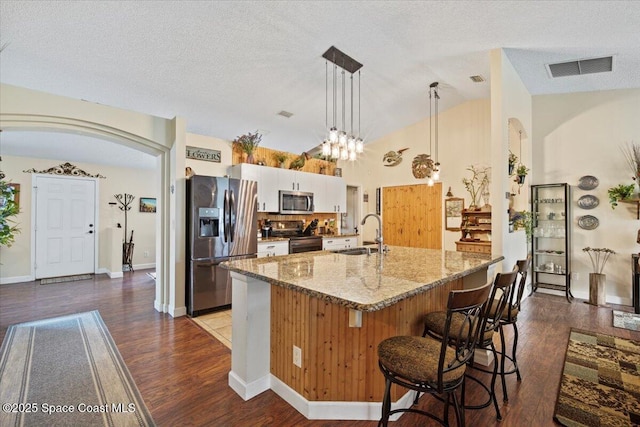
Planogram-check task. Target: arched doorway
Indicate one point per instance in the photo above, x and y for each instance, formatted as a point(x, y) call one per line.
point(24, 109)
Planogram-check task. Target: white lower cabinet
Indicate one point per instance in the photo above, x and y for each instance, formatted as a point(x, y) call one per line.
point(266, 249)
point(337, 243)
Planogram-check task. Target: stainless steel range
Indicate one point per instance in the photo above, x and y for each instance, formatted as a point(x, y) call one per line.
point(301, 237)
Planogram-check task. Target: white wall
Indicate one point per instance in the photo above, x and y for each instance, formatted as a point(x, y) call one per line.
point(509, 99)
point(580, 134)
point(464, 139)
point(16, 260)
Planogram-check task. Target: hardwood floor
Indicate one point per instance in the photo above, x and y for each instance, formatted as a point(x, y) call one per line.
point(181, 370)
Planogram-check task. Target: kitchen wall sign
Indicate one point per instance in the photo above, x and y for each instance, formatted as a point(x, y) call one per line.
point(204, 154)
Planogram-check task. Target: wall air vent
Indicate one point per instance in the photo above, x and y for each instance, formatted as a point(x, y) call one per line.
point(580, 67)
point(285, 114)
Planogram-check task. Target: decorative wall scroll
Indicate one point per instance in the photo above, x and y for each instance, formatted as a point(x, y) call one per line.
point(65, 169)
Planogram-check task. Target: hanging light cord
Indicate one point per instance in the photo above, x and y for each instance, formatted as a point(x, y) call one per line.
point(326, 94)
point(430, 121)
point(435, 91)
point(359, 86)
point(351, 105)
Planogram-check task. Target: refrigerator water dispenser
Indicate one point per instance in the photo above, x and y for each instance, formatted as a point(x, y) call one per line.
point(208, 219)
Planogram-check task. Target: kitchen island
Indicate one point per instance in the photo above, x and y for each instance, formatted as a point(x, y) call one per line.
point(307, 325)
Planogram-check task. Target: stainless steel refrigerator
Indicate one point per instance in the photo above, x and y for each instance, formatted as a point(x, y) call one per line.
point(221, 226)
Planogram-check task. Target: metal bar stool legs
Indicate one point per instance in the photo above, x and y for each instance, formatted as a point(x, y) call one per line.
point(512, 358)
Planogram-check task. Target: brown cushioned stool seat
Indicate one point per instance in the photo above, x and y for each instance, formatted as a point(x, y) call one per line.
point(416, 359)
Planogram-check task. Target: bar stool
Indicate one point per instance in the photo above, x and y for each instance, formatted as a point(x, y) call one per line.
point(497, 303)
point(429, 366)
point(510, 317)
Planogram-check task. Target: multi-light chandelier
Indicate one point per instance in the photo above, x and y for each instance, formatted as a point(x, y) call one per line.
point(433, 169)
point(341, 144)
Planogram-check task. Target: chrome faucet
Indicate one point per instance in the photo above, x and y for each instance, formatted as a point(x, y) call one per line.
point(378, 230)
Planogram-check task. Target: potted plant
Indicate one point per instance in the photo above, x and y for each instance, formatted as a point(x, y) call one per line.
point(597, 280)
point(476, 185)
point(280, 158)
point(621, 192)
point(513, 159)
point(8, 210)
point(521, 173)
point(248, 143)
point(524, 220)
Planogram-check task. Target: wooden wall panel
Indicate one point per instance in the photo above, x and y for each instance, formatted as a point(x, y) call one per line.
point(412, 215)
point(340, 363)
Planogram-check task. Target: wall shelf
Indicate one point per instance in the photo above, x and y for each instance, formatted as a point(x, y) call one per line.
point(635, 202)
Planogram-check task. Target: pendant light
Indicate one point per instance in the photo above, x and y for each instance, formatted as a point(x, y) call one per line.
point(341, 144)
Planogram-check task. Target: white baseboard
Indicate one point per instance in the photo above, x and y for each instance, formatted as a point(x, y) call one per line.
point(249, 390)
point(178, 312)
point(144, 266)
point(16, 279)
point(335, 410)
point(611, 299)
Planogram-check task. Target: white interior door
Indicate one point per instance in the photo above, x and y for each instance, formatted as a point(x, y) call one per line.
point(65, 230)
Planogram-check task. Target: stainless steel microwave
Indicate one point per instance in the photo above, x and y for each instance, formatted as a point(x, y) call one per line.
point(295, 202)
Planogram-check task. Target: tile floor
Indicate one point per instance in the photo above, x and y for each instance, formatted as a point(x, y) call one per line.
point(218, 324)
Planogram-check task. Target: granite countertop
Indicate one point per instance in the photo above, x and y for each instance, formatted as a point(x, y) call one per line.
point(272, 239)
point(336, 236)
point(363, 282)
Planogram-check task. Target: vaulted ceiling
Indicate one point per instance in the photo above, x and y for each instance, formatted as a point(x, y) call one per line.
point(228, 67)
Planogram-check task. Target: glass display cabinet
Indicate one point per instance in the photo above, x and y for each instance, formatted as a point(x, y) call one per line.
point(551, 242)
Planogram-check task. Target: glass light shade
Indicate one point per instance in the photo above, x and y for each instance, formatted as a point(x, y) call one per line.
point(342, 138)
point(344, 154)
point(430, 182)
point(351, 143)
point(352, 155)
point(333, 135)
point(436, 174)
point(359, 145)
point(326, 148)
point(335, 151)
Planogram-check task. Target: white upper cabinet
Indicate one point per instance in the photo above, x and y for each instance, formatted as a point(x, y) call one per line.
point(267, 179)
point(329, 192)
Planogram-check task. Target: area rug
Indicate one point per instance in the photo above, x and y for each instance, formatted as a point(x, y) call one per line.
point(626, 320)
point(600, 384)
point(67, 371)
point(65, 279)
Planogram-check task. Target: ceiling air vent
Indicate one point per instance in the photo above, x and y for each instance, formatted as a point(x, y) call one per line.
point(583, 66)
point(477, 79)
point(286, 114)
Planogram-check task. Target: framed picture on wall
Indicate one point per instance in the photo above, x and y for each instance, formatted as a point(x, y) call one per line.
point(147, 204)
point(453, 213)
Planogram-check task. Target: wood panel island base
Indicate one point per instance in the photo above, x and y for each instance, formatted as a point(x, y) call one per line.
point(308, 325)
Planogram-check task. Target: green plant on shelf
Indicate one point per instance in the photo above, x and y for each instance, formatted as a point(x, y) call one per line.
point(619, 193)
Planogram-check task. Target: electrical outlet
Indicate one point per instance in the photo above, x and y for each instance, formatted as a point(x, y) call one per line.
point(575, 276)
point(297, 356)
point(146, 254)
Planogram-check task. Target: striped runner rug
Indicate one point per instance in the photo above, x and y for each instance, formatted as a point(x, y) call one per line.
point(67, 371)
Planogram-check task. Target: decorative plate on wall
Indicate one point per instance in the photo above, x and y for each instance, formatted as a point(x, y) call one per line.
point(588, 222)
point(588, 182)
point(588, 201)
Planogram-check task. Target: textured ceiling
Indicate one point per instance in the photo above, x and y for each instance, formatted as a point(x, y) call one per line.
point(230, 67)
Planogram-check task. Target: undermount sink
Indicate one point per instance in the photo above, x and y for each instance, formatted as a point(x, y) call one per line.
point(356, 251)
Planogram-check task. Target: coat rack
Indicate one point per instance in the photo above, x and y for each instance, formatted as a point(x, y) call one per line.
point(125, 201)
